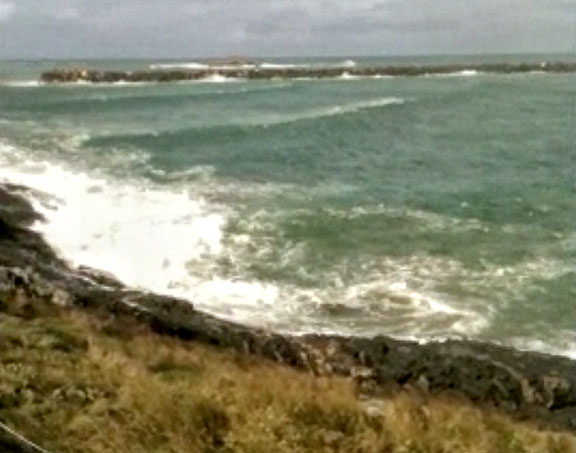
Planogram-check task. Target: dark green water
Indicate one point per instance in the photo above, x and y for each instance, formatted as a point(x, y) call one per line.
point(419, 207)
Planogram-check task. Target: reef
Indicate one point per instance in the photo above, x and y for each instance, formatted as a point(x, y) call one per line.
point(526, 384)
point(257, 72)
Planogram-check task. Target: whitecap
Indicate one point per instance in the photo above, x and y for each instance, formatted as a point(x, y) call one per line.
point(279, 66)
point(21, 83)
point(347, 64)
point(347, 76)
point(333, 110)
point(463, 73)
point(217, 78)
point(170, 66)
point(467, 73)
point(142, 234)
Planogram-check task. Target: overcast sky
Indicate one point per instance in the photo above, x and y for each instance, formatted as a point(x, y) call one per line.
point(192, 28)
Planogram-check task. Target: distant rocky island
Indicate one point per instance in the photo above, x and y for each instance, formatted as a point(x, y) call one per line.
point(240, 68)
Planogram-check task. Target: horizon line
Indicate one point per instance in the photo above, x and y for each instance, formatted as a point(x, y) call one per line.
point(168, 58)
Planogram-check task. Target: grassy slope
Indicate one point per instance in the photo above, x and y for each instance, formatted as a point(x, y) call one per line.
point(75, 383)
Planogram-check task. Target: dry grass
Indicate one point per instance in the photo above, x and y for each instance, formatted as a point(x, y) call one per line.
point(78, 384)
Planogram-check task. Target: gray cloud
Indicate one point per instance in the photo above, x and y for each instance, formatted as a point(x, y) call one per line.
point(7, 9)
point(189, 28)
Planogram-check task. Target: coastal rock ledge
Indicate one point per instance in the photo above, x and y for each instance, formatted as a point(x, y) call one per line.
point(525, 384)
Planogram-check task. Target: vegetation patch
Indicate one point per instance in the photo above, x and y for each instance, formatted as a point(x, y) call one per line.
point(73, 382)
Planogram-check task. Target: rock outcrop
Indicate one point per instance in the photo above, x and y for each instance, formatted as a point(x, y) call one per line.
point(527, 384)
point(256, 72)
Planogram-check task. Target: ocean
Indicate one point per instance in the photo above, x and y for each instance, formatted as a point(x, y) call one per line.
point(423, 208)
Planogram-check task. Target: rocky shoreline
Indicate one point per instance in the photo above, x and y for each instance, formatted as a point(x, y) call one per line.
point(526, 384)
point(256, 72)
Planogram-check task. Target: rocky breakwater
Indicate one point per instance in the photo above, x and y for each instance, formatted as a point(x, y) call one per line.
point(527, 384)
point(256, 72)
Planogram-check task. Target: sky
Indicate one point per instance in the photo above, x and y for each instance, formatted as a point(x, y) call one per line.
point(49, 29)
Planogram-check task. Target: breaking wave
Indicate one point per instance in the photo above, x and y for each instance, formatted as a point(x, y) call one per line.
point(342, 109)
point(172, 241)
point(20, 83)
point(199, 66)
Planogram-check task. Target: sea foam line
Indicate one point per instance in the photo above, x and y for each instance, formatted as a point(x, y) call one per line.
point(21, 83)
point(333, 110)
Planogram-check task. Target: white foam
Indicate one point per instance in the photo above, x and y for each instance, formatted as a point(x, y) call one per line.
point(347, 76)
point(217, 78)
point(360, 105)
point(467, 73)
point(396, 294)
point(121, 83)
point(143, 235)
point(333, 110)
point(90, 84)
point(21, 83)
point(280, 66)
point(563, 343)
point(347, 64)
point(463, 73)
point(168, 66)
point(196, 66)
point(149, 237)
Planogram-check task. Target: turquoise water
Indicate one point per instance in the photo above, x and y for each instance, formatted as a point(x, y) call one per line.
point(419, 207)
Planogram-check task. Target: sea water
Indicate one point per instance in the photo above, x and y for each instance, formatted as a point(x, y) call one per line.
point(426, 208)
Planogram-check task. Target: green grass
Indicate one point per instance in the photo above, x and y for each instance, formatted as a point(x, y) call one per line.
point(75, 382)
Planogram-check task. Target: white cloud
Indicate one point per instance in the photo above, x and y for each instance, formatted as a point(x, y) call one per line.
point(7, 9)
